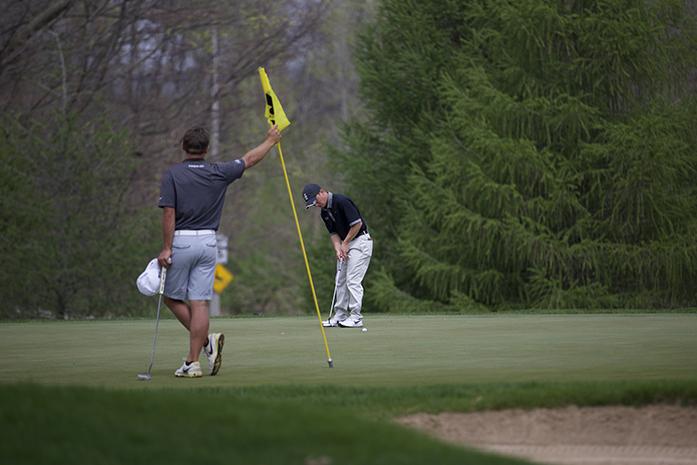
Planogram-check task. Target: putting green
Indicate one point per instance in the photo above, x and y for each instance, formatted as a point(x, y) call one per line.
point(395, 351)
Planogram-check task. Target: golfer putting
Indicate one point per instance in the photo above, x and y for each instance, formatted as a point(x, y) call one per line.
point(353, 247)
point(192, 194)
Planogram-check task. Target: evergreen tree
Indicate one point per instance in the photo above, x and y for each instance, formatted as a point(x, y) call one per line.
point(528, 153)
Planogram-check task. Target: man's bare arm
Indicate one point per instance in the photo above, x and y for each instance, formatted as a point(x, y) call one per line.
point(258, 153)
point(351, 234)
point(349, 237)
point(168, 222)
point(336, 241)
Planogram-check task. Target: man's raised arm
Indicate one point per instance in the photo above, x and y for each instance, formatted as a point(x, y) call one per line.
point(254, 156)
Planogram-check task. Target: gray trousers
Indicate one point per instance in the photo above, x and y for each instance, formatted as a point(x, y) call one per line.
point(349, 290)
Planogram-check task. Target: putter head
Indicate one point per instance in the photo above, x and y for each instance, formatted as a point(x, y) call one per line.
point(144, 377)
point(331, 363)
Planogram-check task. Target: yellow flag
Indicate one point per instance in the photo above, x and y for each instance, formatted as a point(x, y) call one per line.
point(274, 111)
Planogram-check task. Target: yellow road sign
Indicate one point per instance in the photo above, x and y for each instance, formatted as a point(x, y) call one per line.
point(223, 277)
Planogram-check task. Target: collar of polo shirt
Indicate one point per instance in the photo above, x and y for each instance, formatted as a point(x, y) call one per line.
point(330, 197)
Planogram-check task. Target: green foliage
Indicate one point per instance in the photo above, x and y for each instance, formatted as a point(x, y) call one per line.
point(72, 243)
point(530, 153)
point(261, 285)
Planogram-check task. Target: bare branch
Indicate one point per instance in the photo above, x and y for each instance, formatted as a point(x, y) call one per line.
point(64, 73)
point(41, 21)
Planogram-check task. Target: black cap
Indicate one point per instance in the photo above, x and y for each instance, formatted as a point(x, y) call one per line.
point(310, 191)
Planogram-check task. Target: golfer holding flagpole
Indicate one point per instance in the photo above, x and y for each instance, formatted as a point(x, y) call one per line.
point(353, 247)
point(192, 194)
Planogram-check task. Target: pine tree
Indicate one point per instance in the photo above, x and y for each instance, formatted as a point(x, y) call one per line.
point(529, 153)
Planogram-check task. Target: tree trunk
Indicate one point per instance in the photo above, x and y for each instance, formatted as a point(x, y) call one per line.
point(215, 94)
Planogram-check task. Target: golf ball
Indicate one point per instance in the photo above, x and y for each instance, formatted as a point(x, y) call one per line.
point(365, 330)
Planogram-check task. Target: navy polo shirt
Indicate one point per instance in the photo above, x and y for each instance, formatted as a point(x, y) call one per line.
point(340, 214)
point(196, 190)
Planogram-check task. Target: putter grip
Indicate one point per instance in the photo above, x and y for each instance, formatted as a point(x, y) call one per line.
point(163, 277)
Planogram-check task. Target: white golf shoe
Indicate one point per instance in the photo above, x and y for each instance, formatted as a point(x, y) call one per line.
point(352, 322)
point(333, 322)
point(214, 352)
point(192, 370)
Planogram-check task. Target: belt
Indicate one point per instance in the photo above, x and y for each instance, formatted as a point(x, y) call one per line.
point(364, 233)
point(191, 232)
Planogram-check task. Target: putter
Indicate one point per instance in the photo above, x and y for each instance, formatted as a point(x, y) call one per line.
point(147, 376)
point(336, 280)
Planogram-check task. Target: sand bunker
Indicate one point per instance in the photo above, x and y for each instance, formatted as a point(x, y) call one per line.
point(652, 435)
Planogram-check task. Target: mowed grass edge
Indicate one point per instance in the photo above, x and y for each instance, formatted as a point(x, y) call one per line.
point(388, 402)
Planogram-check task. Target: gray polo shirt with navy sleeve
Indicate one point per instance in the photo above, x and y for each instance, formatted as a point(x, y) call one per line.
point(196, 190)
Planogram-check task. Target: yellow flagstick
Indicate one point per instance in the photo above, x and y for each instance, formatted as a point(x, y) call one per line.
point(276, 115)
point(307, 263)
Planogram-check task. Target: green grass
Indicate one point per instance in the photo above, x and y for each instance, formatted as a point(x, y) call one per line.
point(77, 425)
point(71, 387)
point(396, 351)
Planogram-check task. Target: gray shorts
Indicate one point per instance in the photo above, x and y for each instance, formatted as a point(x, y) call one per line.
point(191, 274)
